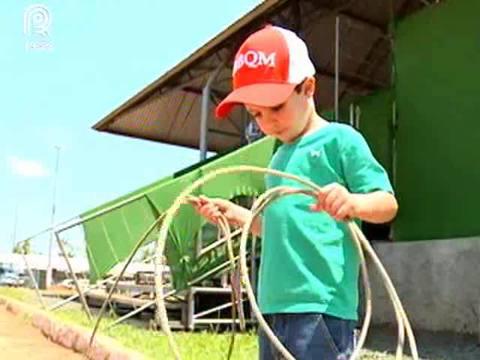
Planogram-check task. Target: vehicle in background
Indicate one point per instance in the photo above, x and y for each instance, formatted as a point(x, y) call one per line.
point(11, 277)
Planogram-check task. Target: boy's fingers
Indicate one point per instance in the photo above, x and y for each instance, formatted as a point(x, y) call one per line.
point(196, 201)
point(211, 210)
point(316, 207)
point(336, 205)
point(320, 197)
point(207, 209)
point(204, 200)
point(330, 199)
point(321, 194)
point(341, 214)
point(320, 201)
point(327, 190)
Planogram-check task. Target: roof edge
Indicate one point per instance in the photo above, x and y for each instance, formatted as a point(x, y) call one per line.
point(253, 14)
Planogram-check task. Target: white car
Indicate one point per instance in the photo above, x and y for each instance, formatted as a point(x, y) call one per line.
point(9, 277)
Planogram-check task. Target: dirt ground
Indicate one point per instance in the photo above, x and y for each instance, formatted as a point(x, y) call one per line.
point(20, 340)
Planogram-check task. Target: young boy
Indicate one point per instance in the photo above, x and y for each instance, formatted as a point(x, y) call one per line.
point(309, 263)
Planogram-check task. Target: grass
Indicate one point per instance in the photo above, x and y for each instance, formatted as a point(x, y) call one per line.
point(153, 344)
point(21, 294)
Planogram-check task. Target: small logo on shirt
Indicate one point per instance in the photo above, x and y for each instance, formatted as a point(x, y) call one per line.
point(315, 153)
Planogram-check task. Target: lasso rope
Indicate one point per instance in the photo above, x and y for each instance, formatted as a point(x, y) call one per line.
point(260, 203)
point(226, 232)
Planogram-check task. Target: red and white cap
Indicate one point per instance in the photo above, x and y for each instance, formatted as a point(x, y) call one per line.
point(267, 67)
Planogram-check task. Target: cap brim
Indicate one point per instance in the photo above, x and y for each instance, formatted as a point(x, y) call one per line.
point(267, 95)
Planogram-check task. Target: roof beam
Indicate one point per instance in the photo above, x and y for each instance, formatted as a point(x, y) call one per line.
point(350, 79)
point(198, 91)
point(379, 28)
point(225, 133)
point(345, 10)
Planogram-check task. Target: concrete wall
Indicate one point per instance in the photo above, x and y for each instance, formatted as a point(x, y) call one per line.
point(438, 282)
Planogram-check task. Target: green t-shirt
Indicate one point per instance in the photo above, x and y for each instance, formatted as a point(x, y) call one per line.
point(309, 262)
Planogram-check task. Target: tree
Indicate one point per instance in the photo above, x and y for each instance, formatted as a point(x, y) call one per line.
point(23, 247)
point(68, 248)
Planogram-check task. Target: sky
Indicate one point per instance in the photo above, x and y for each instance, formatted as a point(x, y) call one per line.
point(64, 65)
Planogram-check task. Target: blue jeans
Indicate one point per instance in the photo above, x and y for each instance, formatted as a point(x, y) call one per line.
point(309, 336)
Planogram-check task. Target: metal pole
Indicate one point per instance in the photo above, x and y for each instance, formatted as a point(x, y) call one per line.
point(204, 134)
point(140, 309)
point(225, 265)
point(253, 263)
point(337, 64)
point(352, 115)
point(358, 116)
point(32, 278)
point(216, 244)
point(49, 229)
point(74, 277)
point(15, 223)
point(205, 112)
point(216, 308)
point(73, 297)
point(48, 280)
point(190, 310)
point(394, 142)
point(393, 78)
point(73, 222)
point(253, 266)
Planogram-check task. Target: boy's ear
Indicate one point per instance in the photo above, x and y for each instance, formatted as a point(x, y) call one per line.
point(309, 86)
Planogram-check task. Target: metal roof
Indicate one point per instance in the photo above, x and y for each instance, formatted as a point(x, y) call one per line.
point(169, 109)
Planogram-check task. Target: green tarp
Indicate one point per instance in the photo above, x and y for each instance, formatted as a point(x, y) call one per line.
point(111, 237)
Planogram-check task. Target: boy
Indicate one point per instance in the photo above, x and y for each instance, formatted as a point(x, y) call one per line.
point(309, 263)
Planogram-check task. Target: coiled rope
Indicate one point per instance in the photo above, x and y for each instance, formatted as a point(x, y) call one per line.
point(311, 189)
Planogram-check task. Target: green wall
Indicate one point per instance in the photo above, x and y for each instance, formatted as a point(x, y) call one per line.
point(376, 125)
point(437, 55)
point(437, 89)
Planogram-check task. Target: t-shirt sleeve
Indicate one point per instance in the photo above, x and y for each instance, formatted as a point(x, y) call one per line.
point(363, 173)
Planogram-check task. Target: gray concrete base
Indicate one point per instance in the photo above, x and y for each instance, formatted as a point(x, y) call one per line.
point(438, 283)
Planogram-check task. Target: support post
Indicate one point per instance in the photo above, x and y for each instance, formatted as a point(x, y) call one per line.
point(48, 277)
point(34, 282)
point(337, 64)
point(253, 270)
point(204, 113)
point(190, 309)
point(204, 133)
point(74, 277)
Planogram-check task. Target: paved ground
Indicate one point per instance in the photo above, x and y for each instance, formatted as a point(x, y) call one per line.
point(19, 340)
point(431, 345)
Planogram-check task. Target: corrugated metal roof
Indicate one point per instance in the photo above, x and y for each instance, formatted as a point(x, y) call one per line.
point(168, 110)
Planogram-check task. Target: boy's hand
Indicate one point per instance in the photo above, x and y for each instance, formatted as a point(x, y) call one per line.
point(212, 208)
point(337, 201)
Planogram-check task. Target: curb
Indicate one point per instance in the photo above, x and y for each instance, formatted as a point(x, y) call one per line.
point(70, 336)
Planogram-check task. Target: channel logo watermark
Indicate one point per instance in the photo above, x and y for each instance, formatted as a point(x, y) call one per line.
point(37, 22)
